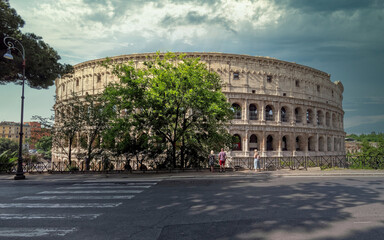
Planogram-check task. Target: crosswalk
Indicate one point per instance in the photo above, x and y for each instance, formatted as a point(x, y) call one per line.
point(45, 206)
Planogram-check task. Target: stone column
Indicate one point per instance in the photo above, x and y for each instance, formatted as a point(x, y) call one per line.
point(262, 112)
point(278, 113)
point(245, 110)
point(246, 144)
point(263, 144)
point(279, 151)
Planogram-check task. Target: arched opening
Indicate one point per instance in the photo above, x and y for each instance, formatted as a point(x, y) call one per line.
point(336, 144)
point(309, 116)
point(284, 144)
point(298, 115)
point(321, 144)
point(269, 113)
point(334, 122)
point(311, 144)
point(320, 118)
point(253, 112)
point(269, 143)
point(328, 119)
point(236, 110)
point(253, 142)
point(237, 144)
point(284, 115)
point(298, 144)
point(329, 144)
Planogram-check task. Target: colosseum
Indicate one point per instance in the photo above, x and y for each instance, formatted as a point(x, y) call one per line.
point(284, 109)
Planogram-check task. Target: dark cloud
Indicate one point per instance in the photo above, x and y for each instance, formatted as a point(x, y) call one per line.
point(329, 5)
point(194, 18)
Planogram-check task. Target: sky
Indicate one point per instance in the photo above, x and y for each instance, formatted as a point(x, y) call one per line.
point(344, 38)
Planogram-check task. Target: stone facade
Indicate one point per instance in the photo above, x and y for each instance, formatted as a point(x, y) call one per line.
point(281, 108)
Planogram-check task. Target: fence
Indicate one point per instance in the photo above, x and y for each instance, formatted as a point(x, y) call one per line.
point(267, 163)
point(274, 163)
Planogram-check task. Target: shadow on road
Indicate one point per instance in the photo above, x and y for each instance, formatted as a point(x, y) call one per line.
point(266, 208)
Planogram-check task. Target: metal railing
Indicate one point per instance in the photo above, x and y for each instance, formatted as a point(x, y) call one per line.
point(267, 163)
point(274, 163)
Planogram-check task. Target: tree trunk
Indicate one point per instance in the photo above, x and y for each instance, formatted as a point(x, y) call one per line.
point(174, 154)
point(70, 152)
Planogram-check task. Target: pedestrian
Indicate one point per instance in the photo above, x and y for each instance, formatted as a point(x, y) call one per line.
point(256, 161)
point(222, 158)
point(212, 160)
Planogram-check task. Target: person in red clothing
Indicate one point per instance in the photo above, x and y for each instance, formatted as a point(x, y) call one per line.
point(222, 158)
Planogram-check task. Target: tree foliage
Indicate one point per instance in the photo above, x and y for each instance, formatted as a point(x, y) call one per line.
point(176, 103)
point(8, 144)
point(44, 146)
point(42, 66)
point(372, 137)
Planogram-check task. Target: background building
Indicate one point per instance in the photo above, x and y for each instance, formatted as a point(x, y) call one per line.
point(11, 131)
point(281, 108)
point(36, 133)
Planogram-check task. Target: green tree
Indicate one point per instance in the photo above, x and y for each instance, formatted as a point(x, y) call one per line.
point(175, 101)
point(95, 119)
point(44, 146)
point(8, 144)
point(8, 159)
point(42, 66)
point(67, 126)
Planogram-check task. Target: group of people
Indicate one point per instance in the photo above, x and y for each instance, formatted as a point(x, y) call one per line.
point(223, 157)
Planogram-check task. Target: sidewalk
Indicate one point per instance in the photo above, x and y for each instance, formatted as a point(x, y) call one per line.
point(195, 174)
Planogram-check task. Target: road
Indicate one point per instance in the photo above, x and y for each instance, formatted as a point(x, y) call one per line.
point(216, 207)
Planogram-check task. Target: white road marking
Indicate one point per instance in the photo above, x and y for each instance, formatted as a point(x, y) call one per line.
point(35, 232)
point(49, 216)
point(91, 192)
point(59, 205)
point(78, 197)
point(102, 187)
point(114, 184)
point(123, 180)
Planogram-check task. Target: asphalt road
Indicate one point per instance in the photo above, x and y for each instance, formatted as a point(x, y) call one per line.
point(233, 207)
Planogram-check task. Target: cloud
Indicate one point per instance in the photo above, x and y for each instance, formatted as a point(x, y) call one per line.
point(352, 122)
point(329, 6)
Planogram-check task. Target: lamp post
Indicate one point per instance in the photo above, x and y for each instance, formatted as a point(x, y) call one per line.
point(10, 43)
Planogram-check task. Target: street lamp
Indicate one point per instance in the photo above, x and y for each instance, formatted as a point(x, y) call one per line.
point(10, 43)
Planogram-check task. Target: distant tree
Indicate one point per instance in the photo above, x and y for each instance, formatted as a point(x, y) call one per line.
point(372, 137)
point(42, 66)
point(7, 144)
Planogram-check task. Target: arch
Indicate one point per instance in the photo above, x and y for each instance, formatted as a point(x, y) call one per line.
point(320, 118)
point(284, 114)
point(336, 143)
point(329, 144)
point(311, 143)
point(236, 110)
point(269, 143)
point(321, 144)
point(269, 113)
point(284, 143)
point(309, 115)
point(253, 112)
point(334, 121)
point(237, 144)
point(253, 143)
point(298, 115)
point(299, 143)
point(328, 119)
